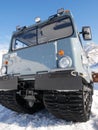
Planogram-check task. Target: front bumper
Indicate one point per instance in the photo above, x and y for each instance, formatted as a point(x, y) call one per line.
point(60, 80)
point(57, 80)
point(8, 83)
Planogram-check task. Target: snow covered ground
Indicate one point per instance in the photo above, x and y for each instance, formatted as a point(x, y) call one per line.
point(43, 120)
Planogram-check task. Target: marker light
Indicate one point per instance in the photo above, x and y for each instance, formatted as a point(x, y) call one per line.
point(6, 62)
point(67, 11)
point(37, 19)
point(61, 53)
point(60, 11)
point(18, 27)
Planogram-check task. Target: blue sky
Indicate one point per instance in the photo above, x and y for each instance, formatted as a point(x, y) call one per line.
point(23, 12)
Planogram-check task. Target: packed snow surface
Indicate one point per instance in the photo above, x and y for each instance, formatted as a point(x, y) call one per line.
point(43, 120)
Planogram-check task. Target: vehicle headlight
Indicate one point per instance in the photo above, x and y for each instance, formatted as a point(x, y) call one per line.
point(3, 70)
point(65, 62)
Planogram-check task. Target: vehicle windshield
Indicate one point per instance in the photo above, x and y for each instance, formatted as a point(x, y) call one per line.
point(51, 31)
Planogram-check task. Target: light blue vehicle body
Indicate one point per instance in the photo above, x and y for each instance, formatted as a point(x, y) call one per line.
point(41, 58)
point(46, 66)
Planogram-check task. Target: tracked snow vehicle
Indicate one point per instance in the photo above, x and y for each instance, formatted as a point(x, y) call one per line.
point(47, 66)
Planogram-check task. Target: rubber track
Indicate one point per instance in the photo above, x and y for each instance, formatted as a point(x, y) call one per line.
point(67, 105)
point(8, 99)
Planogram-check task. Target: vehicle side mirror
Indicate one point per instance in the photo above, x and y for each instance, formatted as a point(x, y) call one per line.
point(86, 33)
